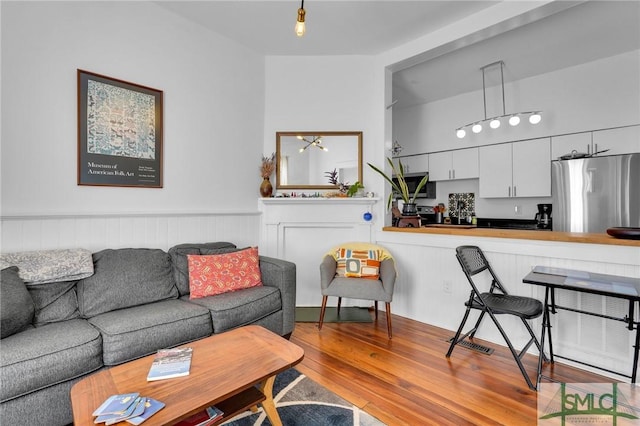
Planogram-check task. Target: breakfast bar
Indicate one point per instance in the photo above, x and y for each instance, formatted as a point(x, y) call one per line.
point(431, 287)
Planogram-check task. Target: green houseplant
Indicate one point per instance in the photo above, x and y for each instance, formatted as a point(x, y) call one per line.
point(400, 186)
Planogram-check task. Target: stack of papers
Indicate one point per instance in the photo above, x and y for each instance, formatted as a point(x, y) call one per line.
point(203, 418)
point(131, 407)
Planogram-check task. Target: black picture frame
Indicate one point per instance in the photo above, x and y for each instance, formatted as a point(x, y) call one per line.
point(120, 137)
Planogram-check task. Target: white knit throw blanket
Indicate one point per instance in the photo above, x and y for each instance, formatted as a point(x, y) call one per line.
point(48, 266)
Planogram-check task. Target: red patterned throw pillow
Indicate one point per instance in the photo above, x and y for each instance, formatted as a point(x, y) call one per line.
point(358, 263)
point(222, 273)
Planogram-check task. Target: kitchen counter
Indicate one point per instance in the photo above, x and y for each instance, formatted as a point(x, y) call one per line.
point(570, 237)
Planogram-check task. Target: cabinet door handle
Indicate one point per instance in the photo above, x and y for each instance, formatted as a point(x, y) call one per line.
point(509, 191)
point(453, 173)
point(449, 174)
point(514, 191)
point(595, 149)
point(588, 149)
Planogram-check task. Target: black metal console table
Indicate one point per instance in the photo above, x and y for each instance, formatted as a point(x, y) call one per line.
point(586, 282)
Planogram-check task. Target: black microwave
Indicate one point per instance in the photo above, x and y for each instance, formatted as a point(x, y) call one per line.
point(413, 179)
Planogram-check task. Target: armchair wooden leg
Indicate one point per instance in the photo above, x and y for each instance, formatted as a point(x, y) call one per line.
point(375, 308)
point(324, 306)
point(389, 319)
point(339, 303)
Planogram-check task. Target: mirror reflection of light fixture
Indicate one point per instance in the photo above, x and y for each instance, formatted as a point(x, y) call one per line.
point(300, 26)
point(494, 122)
point(315, 141)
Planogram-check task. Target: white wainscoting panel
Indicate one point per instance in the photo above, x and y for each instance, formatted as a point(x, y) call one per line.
point(97, 232)
point(302, 230)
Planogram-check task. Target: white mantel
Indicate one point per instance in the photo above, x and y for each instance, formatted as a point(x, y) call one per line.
point(303, 229)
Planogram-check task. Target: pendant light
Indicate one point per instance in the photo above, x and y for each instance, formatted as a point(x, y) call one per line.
point(495, 122)
point(315, 141)
point(300, 27)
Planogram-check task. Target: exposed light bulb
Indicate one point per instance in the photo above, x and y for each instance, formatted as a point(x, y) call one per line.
point(460, 133)
point(535, 118)
point(300, 27)
point(477, 128)
point(301, 150)
point(495, 123)
point(514, 120)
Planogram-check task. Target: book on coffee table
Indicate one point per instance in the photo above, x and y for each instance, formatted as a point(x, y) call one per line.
point(134, 410)
point(170, 363)
point(116, 404)
point(151, 407)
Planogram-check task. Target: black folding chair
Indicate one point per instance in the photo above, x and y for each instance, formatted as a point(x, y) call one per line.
point(495, 302)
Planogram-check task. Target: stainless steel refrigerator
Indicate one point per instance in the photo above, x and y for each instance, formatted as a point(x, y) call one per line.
point(593, 194)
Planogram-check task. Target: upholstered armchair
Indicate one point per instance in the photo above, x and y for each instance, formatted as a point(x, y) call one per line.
point(353, 287)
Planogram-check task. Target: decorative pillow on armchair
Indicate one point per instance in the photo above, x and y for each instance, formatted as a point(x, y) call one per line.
point(222, 273)
point(358, 263)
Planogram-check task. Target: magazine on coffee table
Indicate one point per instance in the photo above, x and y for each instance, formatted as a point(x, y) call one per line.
point(170, 363)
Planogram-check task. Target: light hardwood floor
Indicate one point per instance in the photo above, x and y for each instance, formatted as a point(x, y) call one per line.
point(409, 381)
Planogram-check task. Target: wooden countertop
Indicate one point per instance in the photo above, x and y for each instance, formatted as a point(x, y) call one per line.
point(568, 237)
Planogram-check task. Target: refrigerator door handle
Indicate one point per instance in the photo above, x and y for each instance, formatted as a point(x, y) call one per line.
point(589, 184)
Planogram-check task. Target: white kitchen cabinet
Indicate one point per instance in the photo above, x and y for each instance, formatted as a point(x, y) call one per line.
point(520, 169)
point(414, 163)
point(622, 140)
point(456, 164)
point(562, 145)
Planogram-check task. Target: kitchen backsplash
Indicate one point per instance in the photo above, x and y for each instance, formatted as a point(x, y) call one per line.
point(486, 207)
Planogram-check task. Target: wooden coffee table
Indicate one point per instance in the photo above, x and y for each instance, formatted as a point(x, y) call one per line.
point(225, 369)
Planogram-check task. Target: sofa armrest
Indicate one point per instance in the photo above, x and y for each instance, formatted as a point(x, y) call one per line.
point(282, 274)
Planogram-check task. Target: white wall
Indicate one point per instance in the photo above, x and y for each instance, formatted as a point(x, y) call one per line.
point(213, 107)
point(326, 93)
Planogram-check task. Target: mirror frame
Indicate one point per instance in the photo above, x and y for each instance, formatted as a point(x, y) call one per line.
point(279, 135)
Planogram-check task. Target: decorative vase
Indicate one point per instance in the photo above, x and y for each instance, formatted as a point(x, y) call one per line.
point(409, 209)
point(266, 189)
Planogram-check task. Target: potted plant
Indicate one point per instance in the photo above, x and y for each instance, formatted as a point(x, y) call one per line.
point(400, 187)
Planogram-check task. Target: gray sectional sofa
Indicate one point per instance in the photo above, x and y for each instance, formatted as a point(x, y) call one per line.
point(135, 302)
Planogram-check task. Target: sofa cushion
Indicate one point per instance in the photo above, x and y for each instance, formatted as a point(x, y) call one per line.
point(142, 330)
point(179, 259)
point(16, 304)
point(54, 302)
point(44, 356)
point(242, 307)
point(222, 273)
point(124, 278)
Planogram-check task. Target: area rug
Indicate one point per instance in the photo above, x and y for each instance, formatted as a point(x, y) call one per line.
point(302, 402)
point(347, 314)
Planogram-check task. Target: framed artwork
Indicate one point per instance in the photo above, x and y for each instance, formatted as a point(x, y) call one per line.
point(119, 133)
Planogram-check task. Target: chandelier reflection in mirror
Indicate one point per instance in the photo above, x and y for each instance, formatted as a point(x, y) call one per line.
point(513, 119)
point(315, 141)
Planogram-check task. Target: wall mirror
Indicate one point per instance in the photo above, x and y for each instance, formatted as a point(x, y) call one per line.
point(303, 159)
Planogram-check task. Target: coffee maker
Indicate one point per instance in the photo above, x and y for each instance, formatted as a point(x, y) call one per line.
point(543, 217)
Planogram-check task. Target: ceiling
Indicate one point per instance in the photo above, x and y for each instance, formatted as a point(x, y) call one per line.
point(582, 32)
point(334, 27)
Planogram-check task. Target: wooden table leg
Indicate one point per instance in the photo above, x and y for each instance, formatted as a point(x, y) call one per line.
point(268, 404)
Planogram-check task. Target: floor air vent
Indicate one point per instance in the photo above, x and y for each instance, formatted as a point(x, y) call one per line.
point(474, 347)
